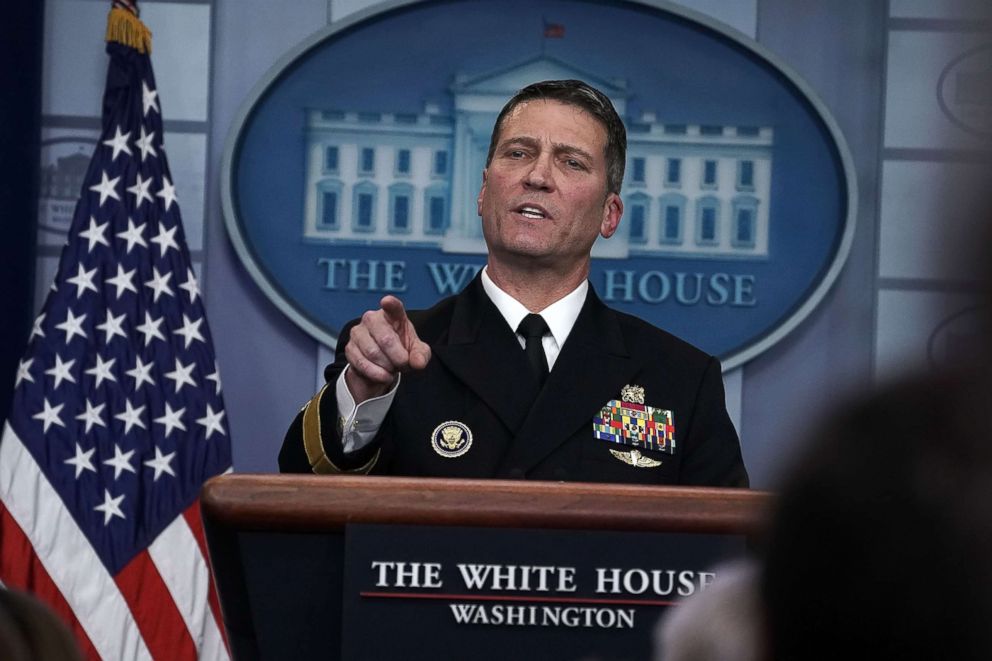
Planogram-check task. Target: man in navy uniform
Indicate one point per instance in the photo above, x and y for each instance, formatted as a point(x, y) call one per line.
point(526, 373)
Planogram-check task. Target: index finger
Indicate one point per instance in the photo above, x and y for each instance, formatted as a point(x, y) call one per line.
point(393, 307)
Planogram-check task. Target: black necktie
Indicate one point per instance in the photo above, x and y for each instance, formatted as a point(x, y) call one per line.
point(533, 327)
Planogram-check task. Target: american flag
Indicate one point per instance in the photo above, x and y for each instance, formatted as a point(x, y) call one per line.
point(117, 416)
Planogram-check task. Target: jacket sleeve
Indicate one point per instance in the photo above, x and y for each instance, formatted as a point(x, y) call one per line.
point(712, 449)
point(313, 441)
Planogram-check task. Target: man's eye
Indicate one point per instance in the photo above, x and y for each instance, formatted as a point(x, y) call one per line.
point(574, 164)
point(516, 153)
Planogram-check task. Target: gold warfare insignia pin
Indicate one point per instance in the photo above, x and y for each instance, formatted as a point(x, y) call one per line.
point(629, 421)
point(635, 458)
point(451, 439)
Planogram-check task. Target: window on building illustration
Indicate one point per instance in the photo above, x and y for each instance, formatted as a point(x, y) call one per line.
point(706, 221)
point(400, 196)
point(329, 210)
point(709, 173)
point(363, 207)
point(440, 162)
point(436, 212)
point(673, 171)
point(364, 219)
point(331, 159)
point(673, 224)
point(745, 210)
point(745, 175)
point(367, 165)
point(401, 214)
point(403, 161)
point(676, 129)
point(710, 130)
point(637, 170)
point(672, 212)
point(744, 230)
point(329, 205)
point(638, 233)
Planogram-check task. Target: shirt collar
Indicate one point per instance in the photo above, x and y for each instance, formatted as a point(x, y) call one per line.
point(560, 315)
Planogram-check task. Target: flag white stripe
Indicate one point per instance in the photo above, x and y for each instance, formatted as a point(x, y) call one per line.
point(66, 554)
point(183, 569)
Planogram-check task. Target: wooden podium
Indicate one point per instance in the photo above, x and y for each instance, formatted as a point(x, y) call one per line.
point(276, 541)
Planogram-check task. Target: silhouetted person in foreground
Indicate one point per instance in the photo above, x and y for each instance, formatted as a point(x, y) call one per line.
point(881, 547)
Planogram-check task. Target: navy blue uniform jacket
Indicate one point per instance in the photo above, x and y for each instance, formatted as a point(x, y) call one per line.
point(479, 376)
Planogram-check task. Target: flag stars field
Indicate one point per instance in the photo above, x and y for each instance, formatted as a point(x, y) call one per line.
point(72, 325)
point(140, 190)
point(82, 461)
point(92, 416)
point(182, 375)
point(161, 464)
point(101, 370)
point(112, 326)
point(190, 331)
point(166, 239)
point(123, 281)
point(121, 461)
point(144, 144)
point(24, 371)
point(172, 420)
point(110, 507)
point(60, 371)
point(95, 235)
point(133, 235)
point(118, 143)
point(50, 415)
point(167, 193)
point(107, 188)
point(131, 416)
point(159, 284)
point(191, 286)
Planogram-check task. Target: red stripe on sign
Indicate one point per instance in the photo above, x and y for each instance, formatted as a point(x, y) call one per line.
point(20, 568)
point(195, 523)
point(159, 621)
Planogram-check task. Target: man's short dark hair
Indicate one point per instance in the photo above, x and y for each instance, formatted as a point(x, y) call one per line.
point(588, 98)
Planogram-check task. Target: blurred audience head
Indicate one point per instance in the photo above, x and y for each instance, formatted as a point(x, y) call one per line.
point(721, 623)
point(881, 547)
point(29, 631)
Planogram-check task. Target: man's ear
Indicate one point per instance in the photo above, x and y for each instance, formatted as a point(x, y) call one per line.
point(482, 192)
point(612, 211)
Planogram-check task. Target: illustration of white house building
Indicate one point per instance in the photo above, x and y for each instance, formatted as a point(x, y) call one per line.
point(398, 179)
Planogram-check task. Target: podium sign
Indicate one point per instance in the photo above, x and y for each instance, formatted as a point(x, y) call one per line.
point(420, 592)
point(548, 570)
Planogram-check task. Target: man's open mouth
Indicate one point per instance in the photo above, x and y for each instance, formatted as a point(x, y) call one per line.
point(531, 211)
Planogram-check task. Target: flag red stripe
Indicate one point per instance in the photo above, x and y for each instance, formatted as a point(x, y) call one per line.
point(159, 621)
point(195, 523)
point(20, 568)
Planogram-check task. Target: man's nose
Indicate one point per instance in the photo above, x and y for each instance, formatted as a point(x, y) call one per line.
point(540, 176)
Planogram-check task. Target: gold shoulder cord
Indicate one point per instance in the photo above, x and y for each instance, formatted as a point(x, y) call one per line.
point(314, 447)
